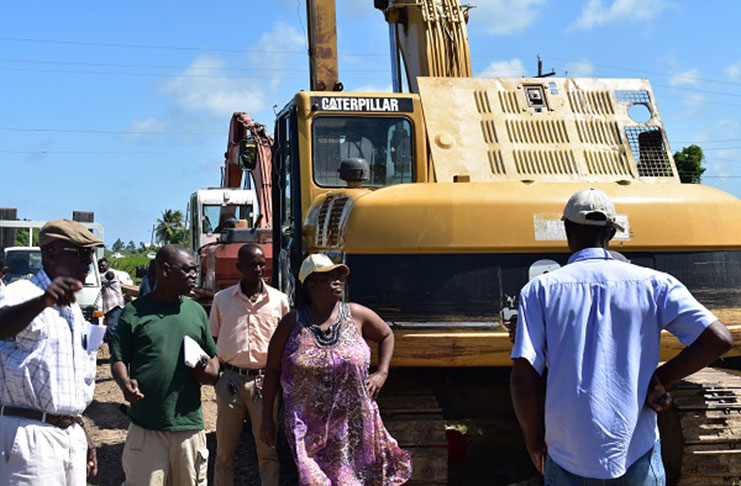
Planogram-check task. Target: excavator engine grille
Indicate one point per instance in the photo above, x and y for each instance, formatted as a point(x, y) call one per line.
point(545, 129)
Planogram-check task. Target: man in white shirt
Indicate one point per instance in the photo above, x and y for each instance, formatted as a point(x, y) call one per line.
point(243, 319)
point(113, 298)
point(47, 373)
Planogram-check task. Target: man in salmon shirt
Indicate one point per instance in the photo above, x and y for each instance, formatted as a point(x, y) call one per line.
point(243, 319)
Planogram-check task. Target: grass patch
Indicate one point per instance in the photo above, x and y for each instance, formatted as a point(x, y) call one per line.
point(129, 265)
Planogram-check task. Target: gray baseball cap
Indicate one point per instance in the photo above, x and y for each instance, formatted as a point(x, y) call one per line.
point(591, 207)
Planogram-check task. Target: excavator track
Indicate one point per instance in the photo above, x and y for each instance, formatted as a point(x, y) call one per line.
point(415, 420)
point(701, 432)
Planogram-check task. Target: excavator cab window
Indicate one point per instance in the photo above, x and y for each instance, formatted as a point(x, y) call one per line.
point(215, 214)
point(384, 142)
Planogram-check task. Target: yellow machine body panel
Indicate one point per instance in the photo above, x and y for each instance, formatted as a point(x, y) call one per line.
point(545, 129)
point(442, 252)
point(518, 217)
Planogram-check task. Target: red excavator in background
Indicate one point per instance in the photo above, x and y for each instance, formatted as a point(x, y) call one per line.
point(242, 212)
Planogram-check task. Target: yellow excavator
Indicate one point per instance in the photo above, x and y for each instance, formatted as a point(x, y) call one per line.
point(445, 200)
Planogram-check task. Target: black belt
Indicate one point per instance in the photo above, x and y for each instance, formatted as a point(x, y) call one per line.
point(243, 371)
point(61, 421)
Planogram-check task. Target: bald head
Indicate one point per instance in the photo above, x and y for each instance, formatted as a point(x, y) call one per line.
point(176, 272)
point(169, 254)
point(247, 251)
point(251, 264)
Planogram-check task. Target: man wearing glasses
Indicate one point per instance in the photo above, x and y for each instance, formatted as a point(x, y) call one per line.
point(47, 374)
point(165, 443)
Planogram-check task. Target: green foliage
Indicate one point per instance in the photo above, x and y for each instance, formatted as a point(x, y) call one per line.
point(118, 245)
point(21, 237)
point(171, 228)
point(689, 164)
point(129, 264)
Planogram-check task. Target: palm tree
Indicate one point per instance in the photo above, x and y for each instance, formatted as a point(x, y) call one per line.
point(169, 227)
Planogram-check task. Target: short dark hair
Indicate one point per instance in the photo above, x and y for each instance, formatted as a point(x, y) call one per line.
point(168, 252)
point(104, 259)
point(247, 249)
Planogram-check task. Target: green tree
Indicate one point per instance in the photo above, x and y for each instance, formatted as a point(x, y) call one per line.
point(170, 227)
point(118, 245)
point(21, 237)
point(689, 164)
point(131, 247)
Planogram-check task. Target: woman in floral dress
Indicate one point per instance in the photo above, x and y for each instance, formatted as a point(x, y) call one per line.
point(320, 356)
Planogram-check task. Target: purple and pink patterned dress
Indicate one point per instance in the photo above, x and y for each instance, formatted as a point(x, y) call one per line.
point(332, 424)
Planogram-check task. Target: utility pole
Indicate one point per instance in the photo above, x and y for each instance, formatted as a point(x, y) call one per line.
point(541, 74)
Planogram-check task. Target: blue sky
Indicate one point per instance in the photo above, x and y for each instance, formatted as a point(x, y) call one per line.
point(123, 108)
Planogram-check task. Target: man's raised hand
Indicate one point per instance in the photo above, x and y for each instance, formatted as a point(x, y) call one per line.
point(61, 291)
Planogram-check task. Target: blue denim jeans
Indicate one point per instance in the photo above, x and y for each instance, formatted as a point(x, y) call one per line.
point(648, 470)
point(111, 321)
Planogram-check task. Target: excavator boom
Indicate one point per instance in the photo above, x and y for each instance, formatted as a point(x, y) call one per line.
point(323, 67)
point(431, 36)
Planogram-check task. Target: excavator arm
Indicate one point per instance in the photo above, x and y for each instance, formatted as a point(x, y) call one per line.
point(431, 37)
point(249, 148)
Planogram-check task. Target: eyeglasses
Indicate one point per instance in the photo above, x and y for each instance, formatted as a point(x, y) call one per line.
point(187, 270)
point(81, 253)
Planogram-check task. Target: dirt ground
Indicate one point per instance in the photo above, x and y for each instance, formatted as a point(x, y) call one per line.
point(107, 425)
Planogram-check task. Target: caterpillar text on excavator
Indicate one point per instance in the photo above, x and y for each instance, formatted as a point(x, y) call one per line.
point(445, 200)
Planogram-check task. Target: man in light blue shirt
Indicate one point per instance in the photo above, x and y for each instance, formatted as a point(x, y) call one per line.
point(596, 325)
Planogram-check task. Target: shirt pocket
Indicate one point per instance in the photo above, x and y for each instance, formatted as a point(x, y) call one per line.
point(30, 337)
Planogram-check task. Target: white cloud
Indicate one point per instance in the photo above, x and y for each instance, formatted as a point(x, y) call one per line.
point(503, 17)
point(718, 160)
point(693, 102)
point(277, 50)
point(141, 129)
point(504, 69)
point(582, 68)
point(209, 85)
point(734, 71)
point(280, 39)
point(206, 85)
point(686, 78)
point(596, 13)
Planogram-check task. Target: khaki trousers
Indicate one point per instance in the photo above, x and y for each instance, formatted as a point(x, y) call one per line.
point(164, 458)
point(33, 453)
point(229, 421)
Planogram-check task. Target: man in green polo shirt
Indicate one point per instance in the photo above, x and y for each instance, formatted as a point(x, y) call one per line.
point(166, 443)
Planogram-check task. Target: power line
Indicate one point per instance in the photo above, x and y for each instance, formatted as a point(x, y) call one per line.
point(169, 47)
point(706, 141)
point(644, 71)
point(105, 132)
point(705, 91)
point(167, 75)
point(154, 66)
point(88, 152)
point(209, 76)
point(704, 102)
point(139, 46)
point(183, 75)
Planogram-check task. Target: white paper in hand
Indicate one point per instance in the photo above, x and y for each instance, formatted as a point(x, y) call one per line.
point(94, 335)
point(192, 352)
